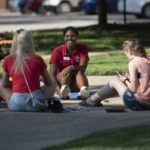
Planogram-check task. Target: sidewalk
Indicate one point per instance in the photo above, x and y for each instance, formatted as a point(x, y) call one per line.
point(12, 21)
point(33, 131)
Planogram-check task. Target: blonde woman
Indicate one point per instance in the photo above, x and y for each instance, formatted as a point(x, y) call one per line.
point(24, 68)
point(134, 87)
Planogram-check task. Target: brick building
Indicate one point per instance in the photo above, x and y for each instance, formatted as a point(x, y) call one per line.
point(4, 4)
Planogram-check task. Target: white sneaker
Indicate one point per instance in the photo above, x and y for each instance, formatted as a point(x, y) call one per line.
point(65, 90)
point(84, 93)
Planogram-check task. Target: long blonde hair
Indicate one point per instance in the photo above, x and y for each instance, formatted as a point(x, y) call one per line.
point(22, 45)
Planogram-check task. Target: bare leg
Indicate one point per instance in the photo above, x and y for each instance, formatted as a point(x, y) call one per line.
point(78, 81)
point(64, 82)
point(110, 89)
point(5, 93)
point(119, 86)
point(64, 79)
point(48, 90)
point(82, 84)
point(81, 80)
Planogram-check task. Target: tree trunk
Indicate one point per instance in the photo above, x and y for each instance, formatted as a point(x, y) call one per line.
point(102, 13)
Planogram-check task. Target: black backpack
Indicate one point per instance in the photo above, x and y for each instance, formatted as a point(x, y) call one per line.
point(55, 106)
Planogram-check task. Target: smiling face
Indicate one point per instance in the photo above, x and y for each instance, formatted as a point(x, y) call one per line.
point(70, 39)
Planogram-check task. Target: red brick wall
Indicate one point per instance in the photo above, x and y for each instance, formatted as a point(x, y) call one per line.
point(3, 4)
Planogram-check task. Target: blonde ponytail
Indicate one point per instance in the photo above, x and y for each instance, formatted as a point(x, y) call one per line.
point(22, 45)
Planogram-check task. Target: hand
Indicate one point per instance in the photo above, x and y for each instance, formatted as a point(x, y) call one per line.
point(122, 78)
point(127, 75)
point(118, 74)
point(67, 71)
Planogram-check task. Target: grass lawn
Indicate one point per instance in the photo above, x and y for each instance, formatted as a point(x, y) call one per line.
point(108, 40)
point(106, 64)
point(129, 138)
point(95, 38)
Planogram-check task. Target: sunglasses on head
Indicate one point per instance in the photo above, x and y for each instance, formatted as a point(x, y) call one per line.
point(18, 31)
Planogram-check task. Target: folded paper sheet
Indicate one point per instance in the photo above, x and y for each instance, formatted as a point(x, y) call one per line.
point(73, 95)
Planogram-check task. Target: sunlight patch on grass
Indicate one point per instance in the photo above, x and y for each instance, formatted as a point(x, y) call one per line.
point(107, 64)
point(129, 138)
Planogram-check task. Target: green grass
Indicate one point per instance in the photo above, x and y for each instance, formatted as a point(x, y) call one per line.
point(106, 64)
point(95, 38)
point(108, 40)
point(129, 138)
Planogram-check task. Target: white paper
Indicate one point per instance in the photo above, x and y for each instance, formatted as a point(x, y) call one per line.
point(76, 109)
point(73, 95)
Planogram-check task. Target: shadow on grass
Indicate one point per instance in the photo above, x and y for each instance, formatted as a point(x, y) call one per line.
point(129, 138)
point(95, 37)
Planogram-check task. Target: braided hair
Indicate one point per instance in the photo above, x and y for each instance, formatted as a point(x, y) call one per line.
point(134, 47)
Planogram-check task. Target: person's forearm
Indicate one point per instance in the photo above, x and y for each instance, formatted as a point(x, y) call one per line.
point(81, 68)
point(8, 85)
point(129, 85)
point(53, 77)
point(52, 87)
point(57, 86)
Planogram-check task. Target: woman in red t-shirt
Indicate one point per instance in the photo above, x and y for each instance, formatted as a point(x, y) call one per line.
point(68, 64)
point(24, 68)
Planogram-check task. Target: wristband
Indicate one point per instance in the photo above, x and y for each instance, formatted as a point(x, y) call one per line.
point(125, 80)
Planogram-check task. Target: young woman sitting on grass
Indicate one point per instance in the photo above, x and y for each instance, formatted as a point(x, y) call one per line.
point(134, 87)
point(68, 63)
point(24, 68)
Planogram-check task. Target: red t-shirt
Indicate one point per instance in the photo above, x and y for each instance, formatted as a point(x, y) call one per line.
point(35, 64)
point(61, 58)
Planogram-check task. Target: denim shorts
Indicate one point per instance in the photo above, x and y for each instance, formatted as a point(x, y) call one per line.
point(18, 101)
point(131, 101)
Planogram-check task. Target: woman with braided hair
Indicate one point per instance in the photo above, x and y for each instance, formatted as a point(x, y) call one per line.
point(134, 87)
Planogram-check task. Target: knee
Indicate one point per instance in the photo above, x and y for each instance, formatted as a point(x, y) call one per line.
point(68, 69)
point(80, 73)
point(113, 82)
